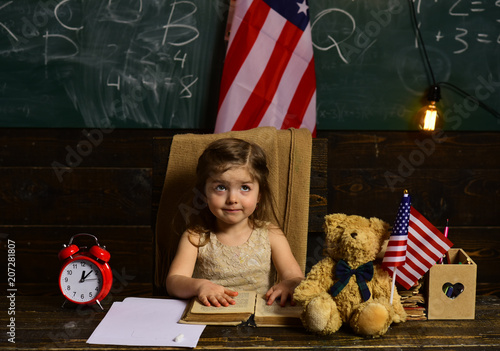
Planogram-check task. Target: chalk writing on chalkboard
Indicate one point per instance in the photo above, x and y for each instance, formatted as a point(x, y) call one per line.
point(115, 62)
point(463, 16)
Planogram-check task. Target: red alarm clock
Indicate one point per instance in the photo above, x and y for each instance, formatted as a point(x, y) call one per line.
point(85, 277)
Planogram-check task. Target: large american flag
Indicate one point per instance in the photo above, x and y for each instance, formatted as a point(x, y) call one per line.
point(426, 245)
point(268, 77)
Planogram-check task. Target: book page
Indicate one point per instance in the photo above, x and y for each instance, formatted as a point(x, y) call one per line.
point(262, 309)
point(245, 303)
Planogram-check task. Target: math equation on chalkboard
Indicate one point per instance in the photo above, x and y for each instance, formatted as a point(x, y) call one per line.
point(466, 24)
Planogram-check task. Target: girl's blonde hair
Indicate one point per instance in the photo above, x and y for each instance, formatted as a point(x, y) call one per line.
point(220, 156)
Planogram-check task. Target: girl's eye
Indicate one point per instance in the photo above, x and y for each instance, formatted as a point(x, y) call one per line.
point(245, 188)
point(220, 188)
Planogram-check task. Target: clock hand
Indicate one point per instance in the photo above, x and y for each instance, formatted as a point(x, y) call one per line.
point(84, 276)
point(88, 274)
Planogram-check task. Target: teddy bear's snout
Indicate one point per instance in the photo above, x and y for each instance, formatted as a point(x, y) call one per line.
point(354, 235)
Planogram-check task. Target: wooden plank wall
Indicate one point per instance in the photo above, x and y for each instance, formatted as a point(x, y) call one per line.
point(104, 190)
point(451, 175)
point(60, 182)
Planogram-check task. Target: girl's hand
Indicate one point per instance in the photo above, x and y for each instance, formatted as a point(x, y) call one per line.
point(288, 269)
point(283, 290)
point(211, 294)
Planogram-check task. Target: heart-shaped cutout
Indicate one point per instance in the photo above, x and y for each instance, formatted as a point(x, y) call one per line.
point(453, 290)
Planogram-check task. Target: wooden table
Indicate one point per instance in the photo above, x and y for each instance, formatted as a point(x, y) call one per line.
point(41, 323)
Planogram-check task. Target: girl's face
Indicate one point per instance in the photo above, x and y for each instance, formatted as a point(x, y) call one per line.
point(232, 196)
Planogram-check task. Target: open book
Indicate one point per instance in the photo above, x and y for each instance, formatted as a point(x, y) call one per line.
point(250, 309)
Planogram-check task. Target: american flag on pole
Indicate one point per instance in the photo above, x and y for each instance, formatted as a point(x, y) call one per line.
point(395, 254)
point(268, 77)
point(426, 245)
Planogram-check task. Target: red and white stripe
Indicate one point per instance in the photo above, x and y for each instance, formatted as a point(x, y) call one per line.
point(269, 76)
point(395, 254)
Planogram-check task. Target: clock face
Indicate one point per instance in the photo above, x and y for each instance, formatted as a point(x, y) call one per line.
point(81, 280)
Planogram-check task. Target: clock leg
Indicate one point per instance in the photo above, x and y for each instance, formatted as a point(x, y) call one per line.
point(99, 303)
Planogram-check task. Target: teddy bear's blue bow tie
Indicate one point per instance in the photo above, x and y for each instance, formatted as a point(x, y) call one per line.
point(363, 274)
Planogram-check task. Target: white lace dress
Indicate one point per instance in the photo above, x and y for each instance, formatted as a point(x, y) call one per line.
point(244, 267)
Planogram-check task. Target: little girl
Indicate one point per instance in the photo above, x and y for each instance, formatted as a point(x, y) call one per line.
point(232, 245)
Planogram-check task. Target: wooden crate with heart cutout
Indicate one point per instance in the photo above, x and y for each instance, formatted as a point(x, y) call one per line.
point(451, 287)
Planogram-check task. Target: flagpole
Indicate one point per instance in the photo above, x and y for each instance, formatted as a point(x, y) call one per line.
point(405, 194)
point(397, 244)
point(393, 282)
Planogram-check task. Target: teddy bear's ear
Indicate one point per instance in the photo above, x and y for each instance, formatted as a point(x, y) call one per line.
point(381, 227)
point(333, 220)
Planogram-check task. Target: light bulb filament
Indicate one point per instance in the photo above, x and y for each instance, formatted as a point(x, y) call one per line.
point(430, 119)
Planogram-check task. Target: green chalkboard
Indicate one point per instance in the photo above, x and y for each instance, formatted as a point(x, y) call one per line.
point(102, 63)
point(371, 73)
point(158, 63)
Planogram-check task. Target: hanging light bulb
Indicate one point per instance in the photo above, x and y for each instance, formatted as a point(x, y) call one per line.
point(428, 117)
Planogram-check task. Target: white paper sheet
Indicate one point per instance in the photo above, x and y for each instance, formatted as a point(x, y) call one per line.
point(146, 322)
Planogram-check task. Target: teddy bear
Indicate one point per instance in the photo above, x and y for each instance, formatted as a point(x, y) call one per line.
point(347, 286)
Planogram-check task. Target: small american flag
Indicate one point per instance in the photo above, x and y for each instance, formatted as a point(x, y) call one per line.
point(269, 76)
point(426, 245)
point(395, 254)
